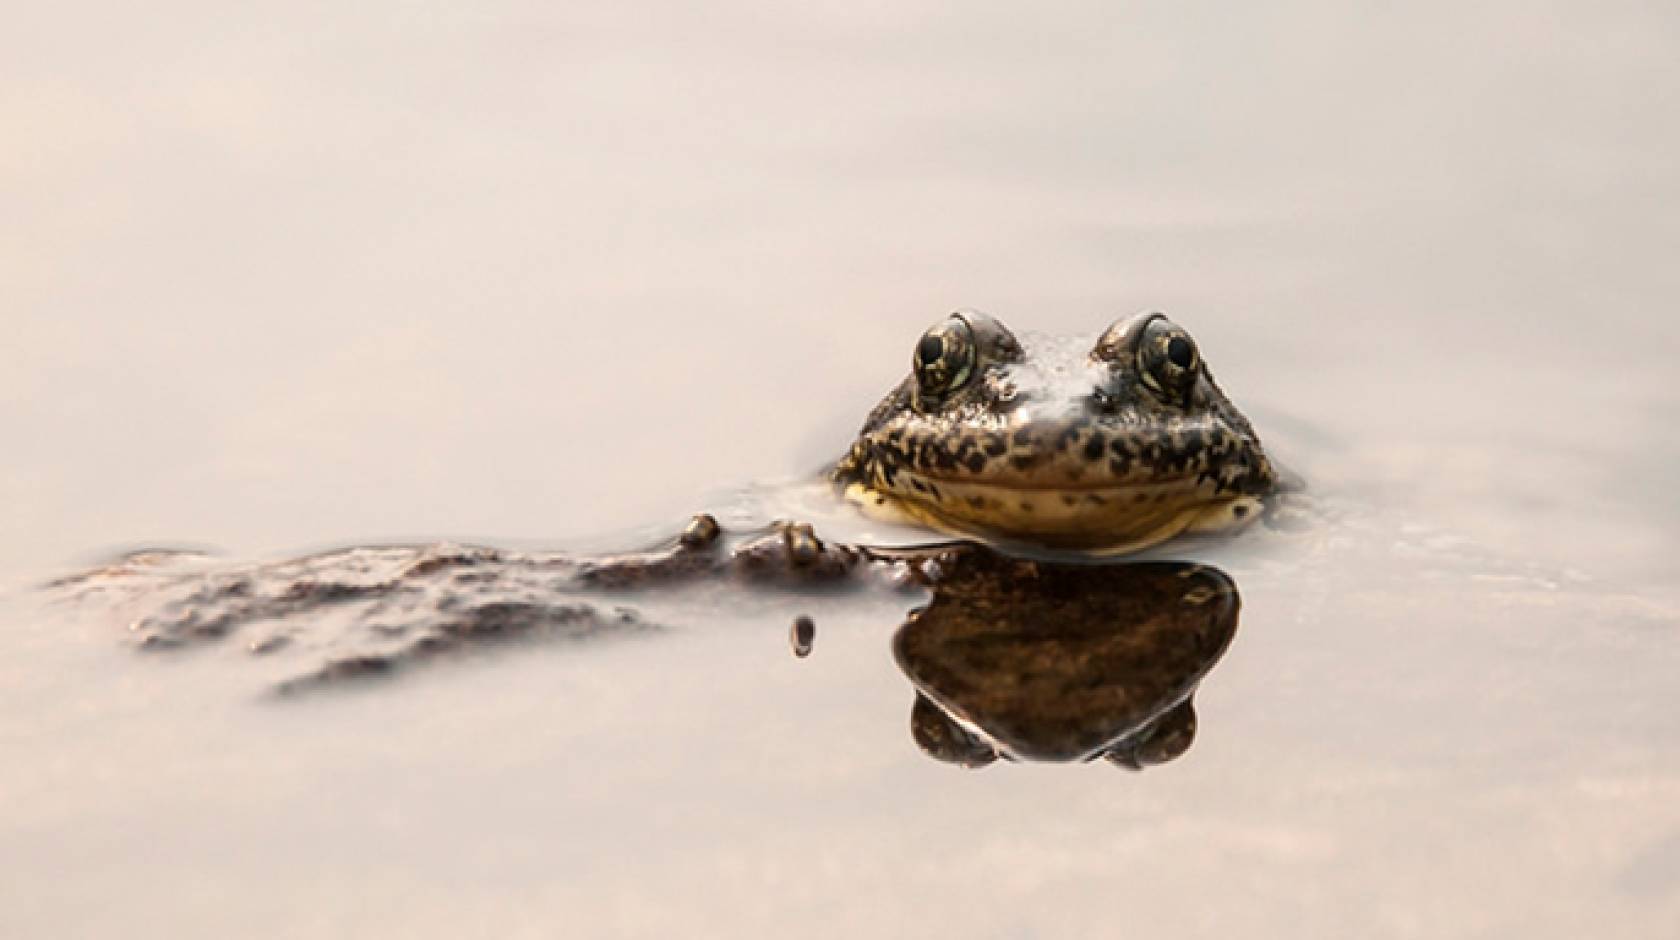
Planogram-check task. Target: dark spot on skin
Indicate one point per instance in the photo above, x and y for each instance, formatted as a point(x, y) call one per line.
point(1239, 511)
point(918, 485)
point(1194, 443)
point(975, 463)
point(1095, 499)
point(1026, 506)
point(1094, 449)
point(1023, 437)
point(1119, 467)
point(1022, 461)
point(995, 445)
point(1068, 499)
point(945, 459)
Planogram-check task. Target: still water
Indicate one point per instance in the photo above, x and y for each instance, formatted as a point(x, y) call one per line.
point(281, 281)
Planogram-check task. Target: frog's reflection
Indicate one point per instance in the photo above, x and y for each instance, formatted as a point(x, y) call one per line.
point(1040, 661)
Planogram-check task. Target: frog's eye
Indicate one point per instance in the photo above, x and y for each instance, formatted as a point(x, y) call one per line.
point(944, 357)
point(1168, 360)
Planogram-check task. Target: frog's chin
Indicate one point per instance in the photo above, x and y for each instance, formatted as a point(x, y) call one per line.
point(1115, 520)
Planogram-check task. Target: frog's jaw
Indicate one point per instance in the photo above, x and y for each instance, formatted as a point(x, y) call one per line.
point(1106, 521)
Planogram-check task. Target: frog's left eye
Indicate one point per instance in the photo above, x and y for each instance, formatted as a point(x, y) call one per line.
point(1168, 360)
point(944, 357)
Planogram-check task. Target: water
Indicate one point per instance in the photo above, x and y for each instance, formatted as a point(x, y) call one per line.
point(280, 280)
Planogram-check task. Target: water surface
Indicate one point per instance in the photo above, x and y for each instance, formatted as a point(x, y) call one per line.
point(304, 277)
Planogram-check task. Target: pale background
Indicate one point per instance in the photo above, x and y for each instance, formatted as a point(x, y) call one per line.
point(288, 275)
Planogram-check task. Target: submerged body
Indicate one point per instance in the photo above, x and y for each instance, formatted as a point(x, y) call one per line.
point(1106, 450)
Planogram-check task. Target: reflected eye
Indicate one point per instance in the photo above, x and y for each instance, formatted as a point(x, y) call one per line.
point(1168, 360)
point(944, 357)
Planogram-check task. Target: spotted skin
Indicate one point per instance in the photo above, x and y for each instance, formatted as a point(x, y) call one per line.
point(1109, 449)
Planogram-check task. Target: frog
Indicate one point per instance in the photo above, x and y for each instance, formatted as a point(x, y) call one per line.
point(1105, 451)
point(1030, 467)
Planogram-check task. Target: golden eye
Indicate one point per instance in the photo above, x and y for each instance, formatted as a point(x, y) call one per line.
point(1168, 361)
point(944, 358)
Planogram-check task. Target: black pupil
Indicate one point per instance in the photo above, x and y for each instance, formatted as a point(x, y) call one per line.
point(930, 349)
point(1179, 351)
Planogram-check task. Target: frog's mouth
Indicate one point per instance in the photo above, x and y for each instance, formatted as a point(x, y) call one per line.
point(1110, 518)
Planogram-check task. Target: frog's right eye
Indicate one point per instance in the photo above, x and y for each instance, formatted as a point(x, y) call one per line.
point(1167, 358)
point(944, 358)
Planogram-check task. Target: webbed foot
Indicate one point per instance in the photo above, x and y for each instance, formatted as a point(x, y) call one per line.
point(943, 739)
point(1167, 739)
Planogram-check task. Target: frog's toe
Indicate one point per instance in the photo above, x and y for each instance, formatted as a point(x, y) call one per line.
point(944, 740)
point(702, 530)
